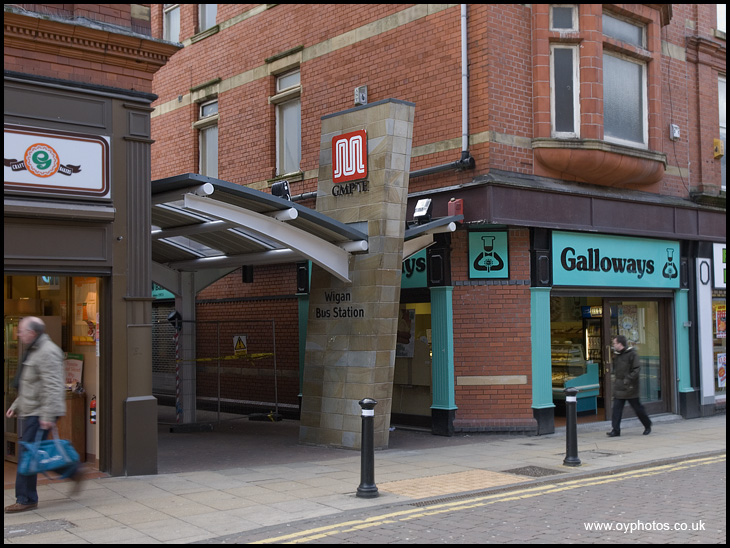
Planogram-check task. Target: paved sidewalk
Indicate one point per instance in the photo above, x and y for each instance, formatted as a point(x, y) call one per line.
point(187, 506)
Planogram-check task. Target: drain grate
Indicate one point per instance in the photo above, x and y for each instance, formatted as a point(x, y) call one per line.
point(533, 471)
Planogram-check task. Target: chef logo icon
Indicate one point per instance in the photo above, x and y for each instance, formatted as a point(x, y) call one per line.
point(488, 260)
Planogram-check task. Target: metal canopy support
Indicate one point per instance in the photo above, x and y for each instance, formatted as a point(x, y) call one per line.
point(421, 236)
point(329, 256)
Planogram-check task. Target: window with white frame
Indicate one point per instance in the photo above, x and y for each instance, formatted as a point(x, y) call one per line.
point(723, 127)
point(625, 113)
point(564, 91)
point(171, 22)
point(564, 17)
point(625, 117)
point(721, 14)
point(288, 122)
point(625, 31)
point(207, 126)
point(207, 14)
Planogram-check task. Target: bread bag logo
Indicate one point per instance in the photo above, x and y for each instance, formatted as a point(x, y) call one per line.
point(42, 160)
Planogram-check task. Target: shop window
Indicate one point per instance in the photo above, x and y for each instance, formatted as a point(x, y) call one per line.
point(207, 126)
point(564, 17)
point(564, 91)
point(206, 16)
point(171, 22)
point(719, 344)
point(288, 122)
point(412, 392)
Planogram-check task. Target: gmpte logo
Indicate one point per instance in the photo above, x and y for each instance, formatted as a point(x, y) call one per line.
point(349, 157)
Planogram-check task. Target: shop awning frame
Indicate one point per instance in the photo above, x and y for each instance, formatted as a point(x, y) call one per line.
point(420, 236)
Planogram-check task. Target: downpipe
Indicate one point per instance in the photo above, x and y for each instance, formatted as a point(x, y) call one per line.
point(466, 161)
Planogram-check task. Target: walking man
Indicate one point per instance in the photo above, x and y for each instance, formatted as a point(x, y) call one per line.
point(41, 400)
point(626, 386)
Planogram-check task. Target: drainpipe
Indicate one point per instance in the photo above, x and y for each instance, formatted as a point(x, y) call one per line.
point(466, 161)
point(303, 196)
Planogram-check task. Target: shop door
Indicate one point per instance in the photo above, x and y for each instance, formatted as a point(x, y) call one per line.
point(644, 323)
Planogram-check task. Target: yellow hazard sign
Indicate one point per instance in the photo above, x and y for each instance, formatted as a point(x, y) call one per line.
point(239, 345)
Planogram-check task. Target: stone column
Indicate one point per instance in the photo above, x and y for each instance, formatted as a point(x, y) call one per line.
point(351, 335)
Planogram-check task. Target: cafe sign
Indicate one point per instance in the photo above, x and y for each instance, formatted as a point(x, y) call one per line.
point(58, 163)
point(581, 259)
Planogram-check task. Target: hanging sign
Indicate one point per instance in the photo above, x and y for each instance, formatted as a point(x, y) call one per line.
point(59, 163)
point(581, 259)
point(488, 255)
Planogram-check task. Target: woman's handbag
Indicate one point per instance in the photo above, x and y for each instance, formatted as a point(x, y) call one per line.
point(46, 455)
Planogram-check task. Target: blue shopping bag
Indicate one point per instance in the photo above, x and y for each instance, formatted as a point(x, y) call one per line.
point(44, 456)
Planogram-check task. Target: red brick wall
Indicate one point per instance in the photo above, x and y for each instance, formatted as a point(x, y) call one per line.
point(267, 313)
point(508, 74)
point(63, 48)
point(492, 333)
point(116, 14)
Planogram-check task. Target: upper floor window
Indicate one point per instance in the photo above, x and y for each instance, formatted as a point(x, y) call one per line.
point(721, 14)
point(624, 100)
point(625, 113)
point(723, 127)
point(564, 91)
point(564, 17)
point(288, 122)
point(171, 22)
point(623, 30)
point(206, 16)
point(207, 126)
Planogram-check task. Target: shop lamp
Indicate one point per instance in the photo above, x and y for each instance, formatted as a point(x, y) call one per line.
point(422, 213)
point(281, 189)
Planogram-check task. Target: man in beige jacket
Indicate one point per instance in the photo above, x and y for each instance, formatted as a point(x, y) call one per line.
point(41, 401)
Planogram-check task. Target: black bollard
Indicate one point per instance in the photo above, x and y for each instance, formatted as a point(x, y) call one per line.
point(367, 488)
point(571, 428)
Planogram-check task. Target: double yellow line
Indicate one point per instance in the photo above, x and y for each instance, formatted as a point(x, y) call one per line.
point(317, 533)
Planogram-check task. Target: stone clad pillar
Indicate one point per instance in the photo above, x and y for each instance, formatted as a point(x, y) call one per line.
point(351, 334)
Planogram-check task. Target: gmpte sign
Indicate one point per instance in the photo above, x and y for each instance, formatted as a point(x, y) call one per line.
point(350, 163)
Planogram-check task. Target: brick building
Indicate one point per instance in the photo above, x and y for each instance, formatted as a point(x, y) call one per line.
point(582, 143)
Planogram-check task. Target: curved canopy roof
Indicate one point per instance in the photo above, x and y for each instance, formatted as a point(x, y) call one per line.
point(203, 223)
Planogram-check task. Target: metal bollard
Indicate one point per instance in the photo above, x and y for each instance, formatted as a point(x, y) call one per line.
point(367, 488)
point(571, 428)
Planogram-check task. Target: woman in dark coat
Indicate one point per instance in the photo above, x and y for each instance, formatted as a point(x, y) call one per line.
point(626, 386)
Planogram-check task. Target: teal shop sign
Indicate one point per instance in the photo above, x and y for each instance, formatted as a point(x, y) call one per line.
point(488, 255)
point(598, 260)
point(159, 292)
point(414, 271)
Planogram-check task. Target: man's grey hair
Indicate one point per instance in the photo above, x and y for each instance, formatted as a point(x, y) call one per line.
point(35, 324)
